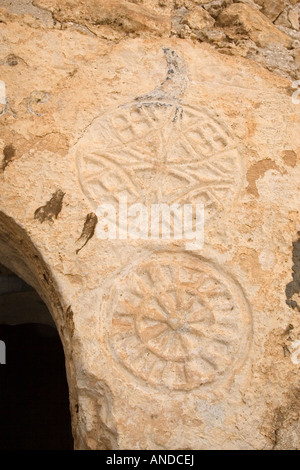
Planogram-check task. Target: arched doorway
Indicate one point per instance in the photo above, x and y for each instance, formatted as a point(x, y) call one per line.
point(20, 255)
point(34, 398)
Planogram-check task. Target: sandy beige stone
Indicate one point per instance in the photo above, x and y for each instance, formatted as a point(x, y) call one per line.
point(283, 20)
point(166, 347)
point(293, 16)
point(297, 59)
point(198, 19)
point(272, 8)
point(254, 23)
point(189, 4)
point(128, 16)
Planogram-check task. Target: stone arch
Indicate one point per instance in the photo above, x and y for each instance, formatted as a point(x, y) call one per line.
point(19, 254)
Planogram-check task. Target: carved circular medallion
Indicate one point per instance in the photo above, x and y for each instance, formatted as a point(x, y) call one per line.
point(176, 321)
point(159, 152)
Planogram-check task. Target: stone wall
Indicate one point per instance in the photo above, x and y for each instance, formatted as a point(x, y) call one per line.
point(167, 345)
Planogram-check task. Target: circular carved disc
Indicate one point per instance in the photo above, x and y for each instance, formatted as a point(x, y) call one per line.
point(159, 153)
point(174, 320)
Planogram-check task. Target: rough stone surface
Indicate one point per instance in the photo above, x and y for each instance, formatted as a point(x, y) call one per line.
point(283, 19)
point(127, 16)
point(247, 20)
point(198, 19)
point(272, 8)
point(293, 17)
point(166, 347)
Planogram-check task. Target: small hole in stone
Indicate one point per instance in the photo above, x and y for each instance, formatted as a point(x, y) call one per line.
point(12, 60)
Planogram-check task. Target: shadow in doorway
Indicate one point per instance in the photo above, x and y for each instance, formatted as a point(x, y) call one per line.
point(34, 398)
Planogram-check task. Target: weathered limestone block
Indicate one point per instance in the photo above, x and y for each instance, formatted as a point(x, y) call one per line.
point(283, 20)
point(289, 18)
point(251, 21)
point(189, 4)
point(129, 16)
point(168, 345)
point(198, 19)
point(272, 8)
point(293, 16)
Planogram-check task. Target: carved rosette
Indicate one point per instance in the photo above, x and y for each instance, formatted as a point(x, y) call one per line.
point(173, 320)
point(176, 321)
point(160, 153)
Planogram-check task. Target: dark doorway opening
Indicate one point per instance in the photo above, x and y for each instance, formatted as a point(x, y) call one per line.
point(34, 397)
